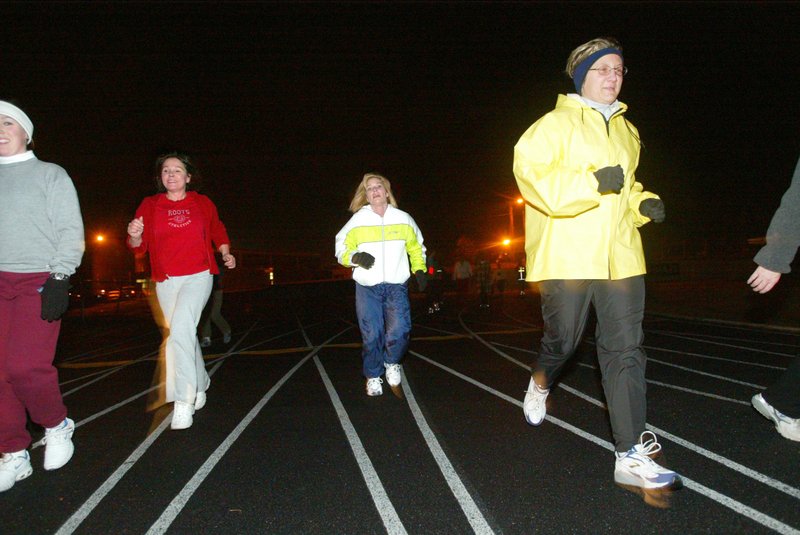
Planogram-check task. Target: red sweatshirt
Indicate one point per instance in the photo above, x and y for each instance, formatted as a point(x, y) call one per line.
point(179, 235)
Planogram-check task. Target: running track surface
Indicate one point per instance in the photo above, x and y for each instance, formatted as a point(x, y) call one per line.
point(290, 443)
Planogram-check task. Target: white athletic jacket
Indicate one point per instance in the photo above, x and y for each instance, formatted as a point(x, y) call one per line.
point(392, 239)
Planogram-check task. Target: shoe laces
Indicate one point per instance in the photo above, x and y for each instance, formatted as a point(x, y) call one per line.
point(538, 391)
point(648, 444)
point(54, 435)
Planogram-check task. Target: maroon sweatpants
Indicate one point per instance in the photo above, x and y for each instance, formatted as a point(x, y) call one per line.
point(28, 379)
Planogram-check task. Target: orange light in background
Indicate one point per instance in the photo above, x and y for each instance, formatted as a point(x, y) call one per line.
point(519, 200)
point(99, 238)
point(507, 242)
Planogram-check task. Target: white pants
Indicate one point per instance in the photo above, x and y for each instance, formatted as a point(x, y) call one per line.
point(182, 300)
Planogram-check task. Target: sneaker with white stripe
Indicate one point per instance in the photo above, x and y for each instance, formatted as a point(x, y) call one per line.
point(636, 468)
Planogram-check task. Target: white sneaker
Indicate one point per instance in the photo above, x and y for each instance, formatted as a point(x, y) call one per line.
point(374, 387)
point(182, 415)
point(200, 400)
point(637, 469)
point(205, 341)
point(787, 427)
point(393, 376)
point(534, 405)
point(14, 467)
point(58, 448)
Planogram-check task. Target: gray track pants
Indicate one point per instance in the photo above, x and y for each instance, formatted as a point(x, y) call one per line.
point(619, 307)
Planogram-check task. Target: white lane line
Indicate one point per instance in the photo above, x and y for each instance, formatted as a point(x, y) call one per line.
point(698, 372)
point(105, 411)
point(383, 504)
point(649, 381)
point(112, 371)
point(468, 505)
point(698, 392)
point(726, 501)
point(733, 465)
point(762, 478)
point(710, 340)
point(94, 500)
point(162, 524)
point(735, 325)
point(97, 496)
point(709, 357)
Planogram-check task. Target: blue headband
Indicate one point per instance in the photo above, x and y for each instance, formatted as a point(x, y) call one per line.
point(583, 67)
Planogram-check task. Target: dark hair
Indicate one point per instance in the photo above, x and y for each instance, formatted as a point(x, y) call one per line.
point(188, 163)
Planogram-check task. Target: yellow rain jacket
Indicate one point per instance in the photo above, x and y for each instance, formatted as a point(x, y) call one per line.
point(571, 231)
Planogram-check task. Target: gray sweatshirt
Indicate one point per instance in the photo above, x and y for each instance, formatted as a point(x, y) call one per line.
point(783, 236)
point(41, 229)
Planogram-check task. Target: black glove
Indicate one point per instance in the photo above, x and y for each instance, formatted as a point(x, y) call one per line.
point(610, 179)
point(654, 209)
point(55, 298)
point(365, 260)
point(422, 280)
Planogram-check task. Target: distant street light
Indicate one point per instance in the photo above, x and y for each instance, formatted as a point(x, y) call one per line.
point(99, 238)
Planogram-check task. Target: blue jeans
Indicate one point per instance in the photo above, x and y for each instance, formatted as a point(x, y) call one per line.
point(384, 317)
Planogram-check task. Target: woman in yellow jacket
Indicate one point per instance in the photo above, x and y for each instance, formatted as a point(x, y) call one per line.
point(576, 168)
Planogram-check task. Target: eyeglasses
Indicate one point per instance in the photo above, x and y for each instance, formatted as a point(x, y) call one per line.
point(606, 70)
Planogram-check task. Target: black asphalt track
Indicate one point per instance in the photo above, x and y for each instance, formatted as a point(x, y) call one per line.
point(290, 443)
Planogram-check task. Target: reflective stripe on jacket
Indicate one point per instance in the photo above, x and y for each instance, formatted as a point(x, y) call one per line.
point(571, 231)
point(391, 239)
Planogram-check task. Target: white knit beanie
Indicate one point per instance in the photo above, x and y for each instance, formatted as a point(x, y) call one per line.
point(9, 110)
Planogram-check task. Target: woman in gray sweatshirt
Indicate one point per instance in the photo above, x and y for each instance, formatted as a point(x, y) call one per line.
point(41, 245)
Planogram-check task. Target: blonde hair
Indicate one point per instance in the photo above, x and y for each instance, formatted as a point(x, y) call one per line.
point(360, 196)
point(585, 50)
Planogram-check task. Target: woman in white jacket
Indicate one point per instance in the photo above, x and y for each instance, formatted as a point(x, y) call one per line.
point(377, 242)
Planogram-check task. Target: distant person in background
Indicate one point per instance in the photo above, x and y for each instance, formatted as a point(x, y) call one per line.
point(484, 277)
point(576, 169)
point(499, 282)
point(781, 401)
point(462, 273)
point(177, 227)
point(41, 245)
point(377, 242)
point(213, 311)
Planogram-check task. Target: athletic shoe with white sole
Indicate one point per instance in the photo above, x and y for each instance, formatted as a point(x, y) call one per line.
point(374, 387)
point(636, 468)
point(58, 446)
point(205, 342)
point(787, 427)
point(182, 415)
point(534, 405)
point(14, 467)
point(393, 376)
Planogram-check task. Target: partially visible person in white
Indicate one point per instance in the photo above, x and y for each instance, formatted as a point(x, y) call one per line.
point(781, 401)
point(176, 227)
point(41, 246)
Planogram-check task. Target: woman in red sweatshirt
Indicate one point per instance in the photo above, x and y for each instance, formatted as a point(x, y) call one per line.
point(177, 228)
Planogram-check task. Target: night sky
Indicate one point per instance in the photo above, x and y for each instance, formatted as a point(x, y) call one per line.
point(286, 106)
